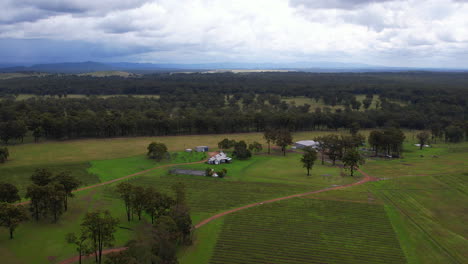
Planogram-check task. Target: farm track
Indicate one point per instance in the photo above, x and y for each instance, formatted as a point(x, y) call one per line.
point(131, 175)
point(367, 178)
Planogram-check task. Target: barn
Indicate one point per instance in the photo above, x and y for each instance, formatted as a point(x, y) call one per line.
point(201, 148)
point(306, 143)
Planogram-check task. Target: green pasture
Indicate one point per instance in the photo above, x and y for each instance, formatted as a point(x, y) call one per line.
point(430, 215)
point(44, 242)
point(85, 150)
point(424, 197)
point(275, 168)
point(20, 176)
point(206, 196)
point(111, 169)
point(440, 159)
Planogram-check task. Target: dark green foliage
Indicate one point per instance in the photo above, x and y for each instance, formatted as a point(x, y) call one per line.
point(157, 151)
point(422, 137)
point(99, 227)
point(241, 152)
point(69, 184)
point(255, 147)
point(352, 159)
point(49, 194)
point(12, 130)
point(42, 177)
point(308, 159)
point(8, 193)
point(454, 134)
point(125, 191)
point(4, 154)
point(389, 142)
point(283, 138)
point(82, 247)
point(226, 144)
point(11, 216)
point(238, 103)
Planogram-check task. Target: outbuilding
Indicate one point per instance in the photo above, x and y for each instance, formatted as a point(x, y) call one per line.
point(201, 148)
point(306, 143)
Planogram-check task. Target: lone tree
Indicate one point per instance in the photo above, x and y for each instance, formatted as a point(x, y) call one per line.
point(308, 159)
point(156, 151)
point(422, 137)
point(283, 139)
point(11, 216)
point(269, 135)
point(125, 191)
point(99, 227)
point(4, 154)
point(241, 152)
point(80, 242)
point(352, 159)
point(8, 193)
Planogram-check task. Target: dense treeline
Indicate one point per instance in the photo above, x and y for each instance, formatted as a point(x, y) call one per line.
point(228, 103)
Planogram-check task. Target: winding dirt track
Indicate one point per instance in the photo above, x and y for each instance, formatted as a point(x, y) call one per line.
point(366, 178)
point(132, 175)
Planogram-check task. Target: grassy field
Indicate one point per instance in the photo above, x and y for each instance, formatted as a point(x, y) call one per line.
point(85, 150)
point(107, 170)
point(205, 196)
point(423, 197)
point(20, 176)
point(440, 159)
point(308, 231)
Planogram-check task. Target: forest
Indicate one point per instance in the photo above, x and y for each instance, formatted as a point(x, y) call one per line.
point(229, 103)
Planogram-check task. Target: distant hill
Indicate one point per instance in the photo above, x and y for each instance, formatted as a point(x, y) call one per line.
point(129, 67)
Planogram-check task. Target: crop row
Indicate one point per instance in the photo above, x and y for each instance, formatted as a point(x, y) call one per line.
point(213, 195)
point(308, 231)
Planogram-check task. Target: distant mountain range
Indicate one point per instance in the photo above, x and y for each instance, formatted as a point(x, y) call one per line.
point(90, 66)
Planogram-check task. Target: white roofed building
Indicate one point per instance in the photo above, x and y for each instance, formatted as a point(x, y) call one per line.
point(306, 143)
point(219, 158)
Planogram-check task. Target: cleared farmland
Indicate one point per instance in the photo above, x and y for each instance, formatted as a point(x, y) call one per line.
point(209, 195)
point(308, 231)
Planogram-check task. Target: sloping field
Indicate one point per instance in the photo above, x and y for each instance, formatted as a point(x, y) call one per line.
point(308, 231)
point(209, 195)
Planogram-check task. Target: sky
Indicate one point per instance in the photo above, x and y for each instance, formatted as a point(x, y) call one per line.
point(412, 33)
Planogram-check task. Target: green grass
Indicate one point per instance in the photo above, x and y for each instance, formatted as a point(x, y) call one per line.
point(21, 176)
point(115, 168)
point(37, 242)
point(308, 231)
point(278, 169)
point(450, 159)
point(432, 210)
point(85, 150)
point(203, 244)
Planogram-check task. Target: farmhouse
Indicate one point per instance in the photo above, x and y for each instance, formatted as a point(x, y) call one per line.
point(219, 158)
point(306, 143)
point(201, 148)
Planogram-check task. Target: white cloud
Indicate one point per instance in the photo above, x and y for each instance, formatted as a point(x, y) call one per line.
point(379, 32)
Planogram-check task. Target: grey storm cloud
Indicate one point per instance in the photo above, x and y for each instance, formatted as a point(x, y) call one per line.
point(15, 11)
point(387, 32)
